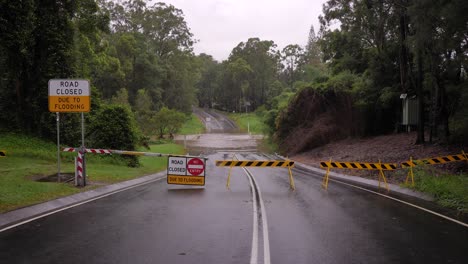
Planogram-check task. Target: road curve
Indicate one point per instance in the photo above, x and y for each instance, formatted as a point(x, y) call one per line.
point(215, 122)
point(160, 223)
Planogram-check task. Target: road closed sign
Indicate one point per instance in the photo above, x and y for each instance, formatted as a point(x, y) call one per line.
point(69, 96)
point(186, 170)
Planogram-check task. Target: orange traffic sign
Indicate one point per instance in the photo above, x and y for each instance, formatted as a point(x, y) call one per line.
point(69, 96)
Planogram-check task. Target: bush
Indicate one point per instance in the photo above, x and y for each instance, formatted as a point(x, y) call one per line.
point(113, 127)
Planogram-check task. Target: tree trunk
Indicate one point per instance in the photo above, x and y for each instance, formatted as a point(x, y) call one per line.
point(420, 94)
point(403, 51)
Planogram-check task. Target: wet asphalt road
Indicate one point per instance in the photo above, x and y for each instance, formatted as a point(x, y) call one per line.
point(160, 223)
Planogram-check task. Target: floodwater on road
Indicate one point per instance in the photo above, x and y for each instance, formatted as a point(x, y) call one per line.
point(212, 143)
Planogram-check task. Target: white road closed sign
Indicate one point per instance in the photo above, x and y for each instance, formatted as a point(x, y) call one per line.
point(69, 96)
point(186, 170)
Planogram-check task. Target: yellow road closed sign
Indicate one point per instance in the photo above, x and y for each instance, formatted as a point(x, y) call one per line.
point(186, 170)
point(69, 96)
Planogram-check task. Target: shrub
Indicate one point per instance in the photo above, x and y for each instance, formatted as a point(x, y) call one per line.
point(114, 127)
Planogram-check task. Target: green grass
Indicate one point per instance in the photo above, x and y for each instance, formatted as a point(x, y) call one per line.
point(249, 122)
point(192, 126)
point(29, 158)
point(449, 190)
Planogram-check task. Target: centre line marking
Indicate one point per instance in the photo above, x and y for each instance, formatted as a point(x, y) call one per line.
point(266, 241)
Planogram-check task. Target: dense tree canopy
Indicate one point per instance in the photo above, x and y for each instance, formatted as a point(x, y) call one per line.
point(140, 54)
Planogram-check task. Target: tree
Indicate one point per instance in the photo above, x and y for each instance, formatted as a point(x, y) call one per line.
point(208, 82)
point(264, 62)
point(168, 121)
point(121, 97)
point(312, 54)
point(292, 56)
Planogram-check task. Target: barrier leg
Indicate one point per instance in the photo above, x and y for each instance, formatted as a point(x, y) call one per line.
point(381, 174)
point(325, 179)
point(464, 155)
point(228, 183)
point(410, 173)
point(291, 179)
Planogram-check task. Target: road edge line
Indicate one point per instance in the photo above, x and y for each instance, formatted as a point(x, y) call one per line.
point(26, 220)
point(404, 202)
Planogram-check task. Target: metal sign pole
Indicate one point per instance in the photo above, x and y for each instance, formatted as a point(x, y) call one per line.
point(83, 148)
point(58, 147)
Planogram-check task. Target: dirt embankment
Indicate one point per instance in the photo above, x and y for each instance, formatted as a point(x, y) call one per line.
point(393, 148)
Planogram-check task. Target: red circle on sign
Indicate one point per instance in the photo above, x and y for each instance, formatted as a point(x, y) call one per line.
point(195, 166)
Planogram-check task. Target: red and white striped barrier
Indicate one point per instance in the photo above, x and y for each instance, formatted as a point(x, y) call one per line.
point(118, 152)
point(79, 165)
point(95, 151)
point(99, 151)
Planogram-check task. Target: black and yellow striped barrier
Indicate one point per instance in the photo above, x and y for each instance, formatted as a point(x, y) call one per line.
point(430, 161)
point(257, 164)
point(434, 161)
point(2, 153)
point(357, 166)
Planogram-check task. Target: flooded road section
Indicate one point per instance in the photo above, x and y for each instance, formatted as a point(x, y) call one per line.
point(222, 135)
point(211, 143)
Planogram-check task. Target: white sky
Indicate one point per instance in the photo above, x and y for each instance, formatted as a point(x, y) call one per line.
point(219, 25)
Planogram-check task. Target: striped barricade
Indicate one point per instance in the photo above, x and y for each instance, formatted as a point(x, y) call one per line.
point(430, 161)
point(357, 166)
point(118, 152)
point(79, 166)
point(257, 164)
point(95, 151)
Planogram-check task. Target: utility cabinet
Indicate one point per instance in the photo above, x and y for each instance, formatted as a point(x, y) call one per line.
point(410, 110)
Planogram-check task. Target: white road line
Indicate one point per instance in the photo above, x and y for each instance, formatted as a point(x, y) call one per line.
point(78, 204)
point(403, 202)
point(266, 240)
point(254, 251)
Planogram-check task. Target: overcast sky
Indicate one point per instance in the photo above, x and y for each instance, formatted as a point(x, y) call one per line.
point(219, 25)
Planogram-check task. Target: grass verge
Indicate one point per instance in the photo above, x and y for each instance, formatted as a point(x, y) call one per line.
point(249, 122)
point(29, 159)
point(449, 190)
point(192, 126)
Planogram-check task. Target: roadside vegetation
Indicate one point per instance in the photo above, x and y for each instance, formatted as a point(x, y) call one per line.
point(249, 122)
point(193, 125)
point(449, 190)
point(30, 160)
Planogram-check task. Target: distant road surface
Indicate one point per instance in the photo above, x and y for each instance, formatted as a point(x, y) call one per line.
point(259, 220)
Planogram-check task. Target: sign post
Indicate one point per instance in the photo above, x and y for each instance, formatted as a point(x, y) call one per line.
point(186, 170)
point(69, 96)
point(58, 147)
